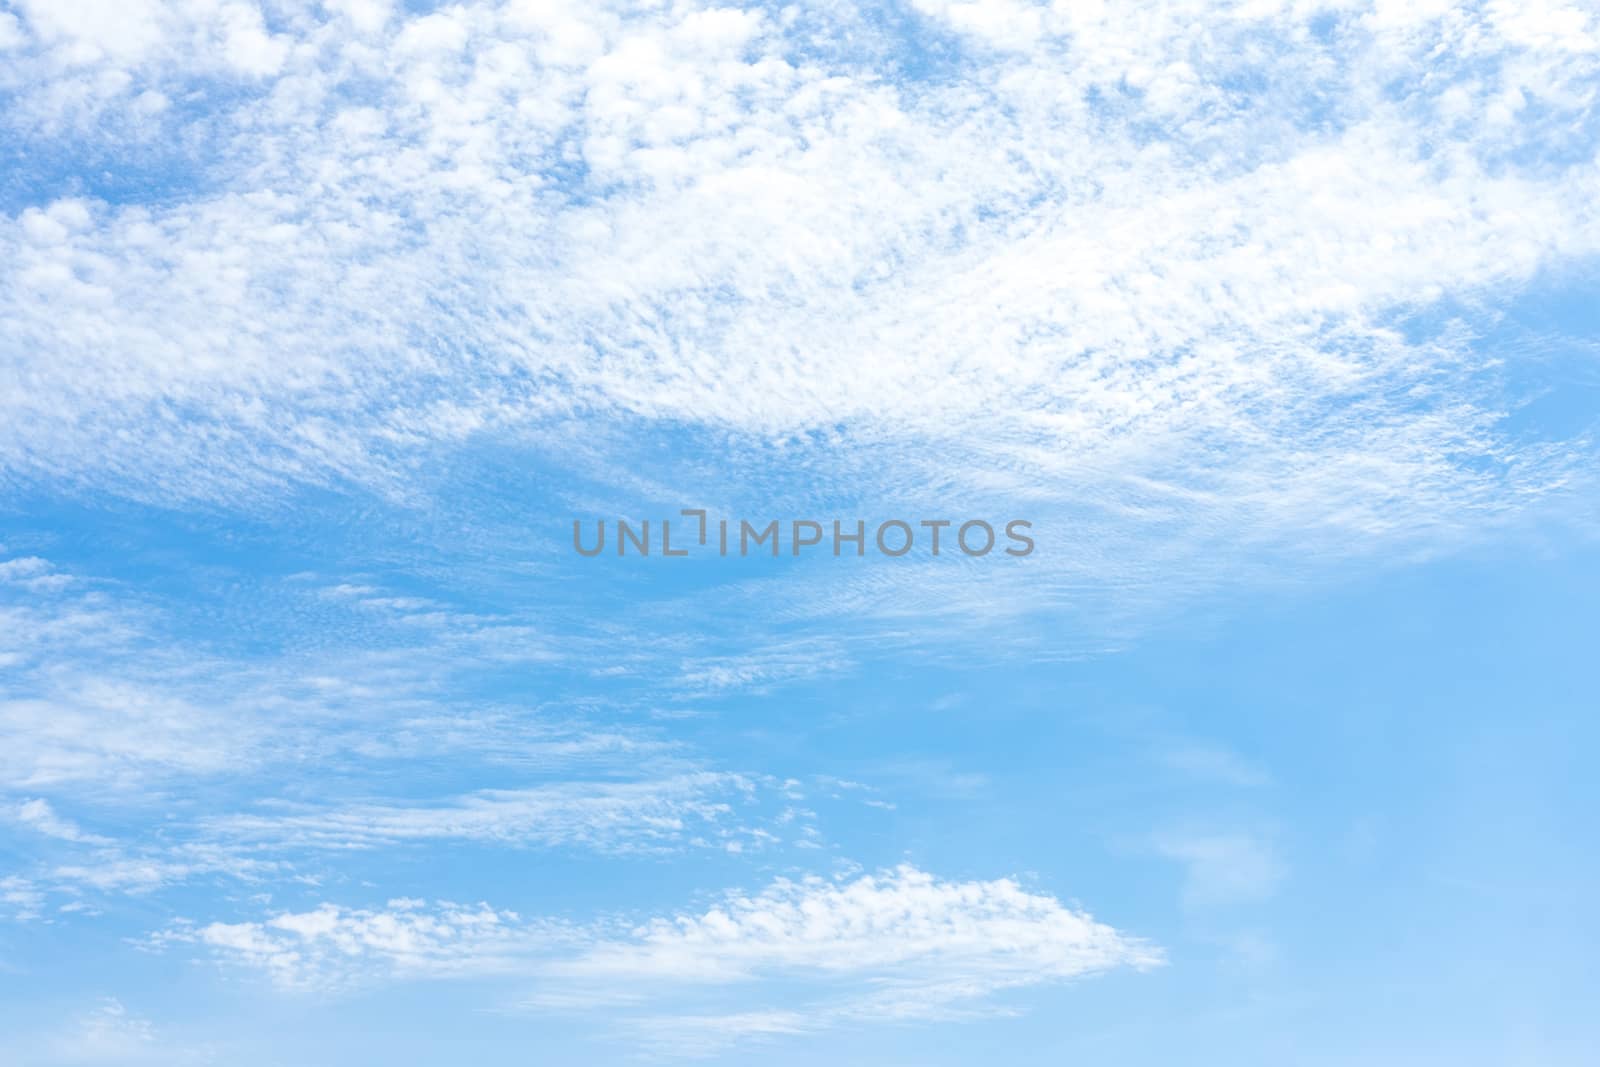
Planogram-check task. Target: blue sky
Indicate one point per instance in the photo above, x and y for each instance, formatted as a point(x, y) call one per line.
point(324, 321)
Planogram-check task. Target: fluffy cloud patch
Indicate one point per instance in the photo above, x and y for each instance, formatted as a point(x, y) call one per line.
point(331, 947)
point(1099, 247)
point(900, 945)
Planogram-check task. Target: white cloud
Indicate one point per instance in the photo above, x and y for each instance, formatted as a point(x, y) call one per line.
point(916, 932)
point(331, 947)
point(895, 946)
point(117, 870)
point(1100, 262)
point(38, 815)
point(22, 898)
point(10, 31)
point(113, 734)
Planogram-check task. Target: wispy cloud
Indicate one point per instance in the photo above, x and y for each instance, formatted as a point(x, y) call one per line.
point(612, 816)
point(110, 1034)
point(39, 816)
point(111, 690)
point(1224, 868)
point(23, 900)
point(760, 669)
point(114, 707)
point(332, 947)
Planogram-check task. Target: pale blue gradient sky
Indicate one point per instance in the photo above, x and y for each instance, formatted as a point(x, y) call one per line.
point(319, 745)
